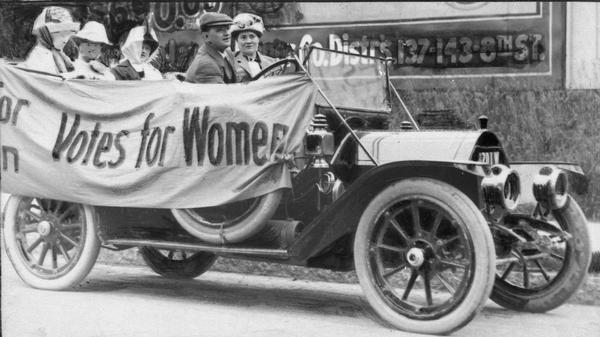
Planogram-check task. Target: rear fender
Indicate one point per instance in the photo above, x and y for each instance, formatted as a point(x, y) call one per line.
point(342, 216)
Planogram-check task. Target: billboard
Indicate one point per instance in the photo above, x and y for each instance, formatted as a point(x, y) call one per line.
point(437, 43)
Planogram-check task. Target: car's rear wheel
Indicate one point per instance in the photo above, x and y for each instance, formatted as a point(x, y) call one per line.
point(544, 275)
point(424, 256)
point(51, 244)
point(177, 264)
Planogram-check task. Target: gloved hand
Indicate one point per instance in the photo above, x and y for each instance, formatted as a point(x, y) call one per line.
point(98, 67)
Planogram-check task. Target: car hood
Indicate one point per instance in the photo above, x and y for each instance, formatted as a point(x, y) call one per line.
point(394, 146)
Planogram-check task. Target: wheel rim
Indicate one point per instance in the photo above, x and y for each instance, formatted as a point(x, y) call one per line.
point(49, 235)
point(534, 270)
point(420, 258)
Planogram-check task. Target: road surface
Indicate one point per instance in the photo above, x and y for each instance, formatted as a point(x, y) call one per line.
point(133, 302)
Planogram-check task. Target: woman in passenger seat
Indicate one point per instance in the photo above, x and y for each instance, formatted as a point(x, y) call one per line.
point(52, 29)
point(90, 41)
point(140, 43)
point(246, 31)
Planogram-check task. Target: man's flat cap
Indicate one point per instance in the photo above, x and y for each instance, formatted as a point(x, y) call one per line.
point(210, 19)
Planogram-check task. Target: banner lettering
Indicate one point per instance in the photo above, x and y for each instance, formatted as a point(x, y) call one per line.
point(162, 144)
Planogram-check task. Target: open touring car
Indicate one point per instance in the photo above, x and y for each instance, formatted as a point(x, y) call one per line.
point(433, 222)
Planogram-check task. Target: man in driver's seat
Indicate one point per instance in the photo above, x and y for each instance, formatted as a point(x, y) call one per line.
point(214, 62)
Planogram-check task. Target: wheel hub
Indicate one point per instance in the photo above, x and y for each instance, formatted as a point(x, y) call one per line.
point(415, 257)
point(45, 228)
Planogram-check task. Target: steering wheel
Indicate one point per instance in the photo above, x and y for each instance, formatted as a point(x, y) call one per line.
point(280, 67)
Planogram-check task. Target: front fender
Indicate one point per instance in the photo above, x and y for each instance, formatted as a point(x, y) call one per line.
point(342, 216)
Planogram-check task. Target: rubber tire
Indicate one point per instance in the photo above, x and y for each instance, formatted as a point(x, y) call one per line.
point(484, 254)
point(595, 264)
point(87, 259)
point(190, 268)
point(566, 284)
point(242, 230)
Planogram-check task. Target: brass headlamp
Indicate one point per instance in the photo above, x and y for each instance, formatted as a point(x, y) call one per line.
point(318, 142)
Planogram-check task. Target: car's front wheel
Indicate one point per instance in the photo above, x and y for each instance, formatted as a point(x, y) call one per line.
point(424, 256)
point(51, 244)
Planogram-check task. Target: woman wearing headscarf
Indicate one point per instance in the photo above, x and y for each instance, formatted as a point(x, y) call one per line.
point(90, 40)
point(247, 29)
point(140, 43)
point(52, 28)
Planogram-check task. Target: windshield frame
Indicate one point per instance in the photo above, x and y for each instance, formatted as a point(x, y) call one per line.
point(385, 61)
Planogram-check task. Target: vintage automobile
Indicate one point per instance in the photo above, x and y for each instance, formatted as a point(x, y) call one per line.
point(433, 222)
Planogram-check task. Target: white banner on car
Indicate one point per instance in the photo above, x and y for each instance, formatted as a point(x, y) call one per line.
point(163, 144)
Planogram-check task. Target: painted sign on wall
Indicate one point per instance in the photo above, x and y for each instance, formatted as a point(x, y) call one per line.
point(170, 16)
point(469, 43)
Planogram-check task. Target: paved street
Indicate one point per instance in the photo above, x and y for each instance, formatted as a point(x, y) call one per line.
point(131, 301)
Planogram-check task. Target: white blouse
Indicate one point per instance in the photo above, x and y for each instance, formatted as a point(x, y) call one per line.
point(40, 59)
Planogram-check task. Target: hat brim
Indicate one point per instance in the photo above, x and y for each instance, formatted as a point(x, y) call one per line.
point(217, 23)
point(54, 27)
point(238, 32)
point(78, 40)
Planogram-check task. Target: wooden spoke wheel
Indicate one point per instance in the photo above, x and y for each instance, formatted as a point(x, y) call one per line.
point(543, 273)
point(424, 256)
point(51, 244)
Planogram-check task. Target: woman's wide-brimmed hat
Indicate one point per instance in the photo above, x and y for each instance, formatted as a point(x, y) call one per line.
point(247, 22)
point(56, 19)
point(93, 32)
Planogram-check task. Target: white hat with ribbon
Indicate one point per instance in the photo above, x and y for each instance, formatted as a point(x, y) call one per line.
point(92, 31)
point(57, 19)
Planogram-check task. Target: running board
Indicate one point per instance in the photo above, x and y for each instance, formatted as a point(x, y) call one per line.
point(279, 253)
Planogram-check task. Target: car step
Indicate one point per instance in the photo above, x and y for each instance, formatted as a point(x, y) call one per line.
point(279, 253)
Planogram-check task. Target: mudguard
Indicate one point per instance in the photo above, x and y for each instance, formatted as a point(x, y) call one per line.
point(342, 216)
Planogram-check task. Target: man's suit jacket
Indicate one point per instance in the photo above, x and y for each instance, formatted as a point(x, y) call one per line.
point(263, 60)
point(210, 67)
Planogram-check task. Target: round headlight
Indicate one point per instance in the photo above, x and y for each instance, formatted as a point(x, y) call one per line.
point(502, 187)
point(551, 188)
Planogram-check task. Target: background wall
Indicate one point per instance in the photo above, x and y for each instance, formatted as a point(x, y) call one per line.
point(583, 45)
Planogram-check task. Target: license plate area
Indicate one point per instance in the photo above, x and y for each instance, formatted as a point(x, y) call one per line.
point(490, 155)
